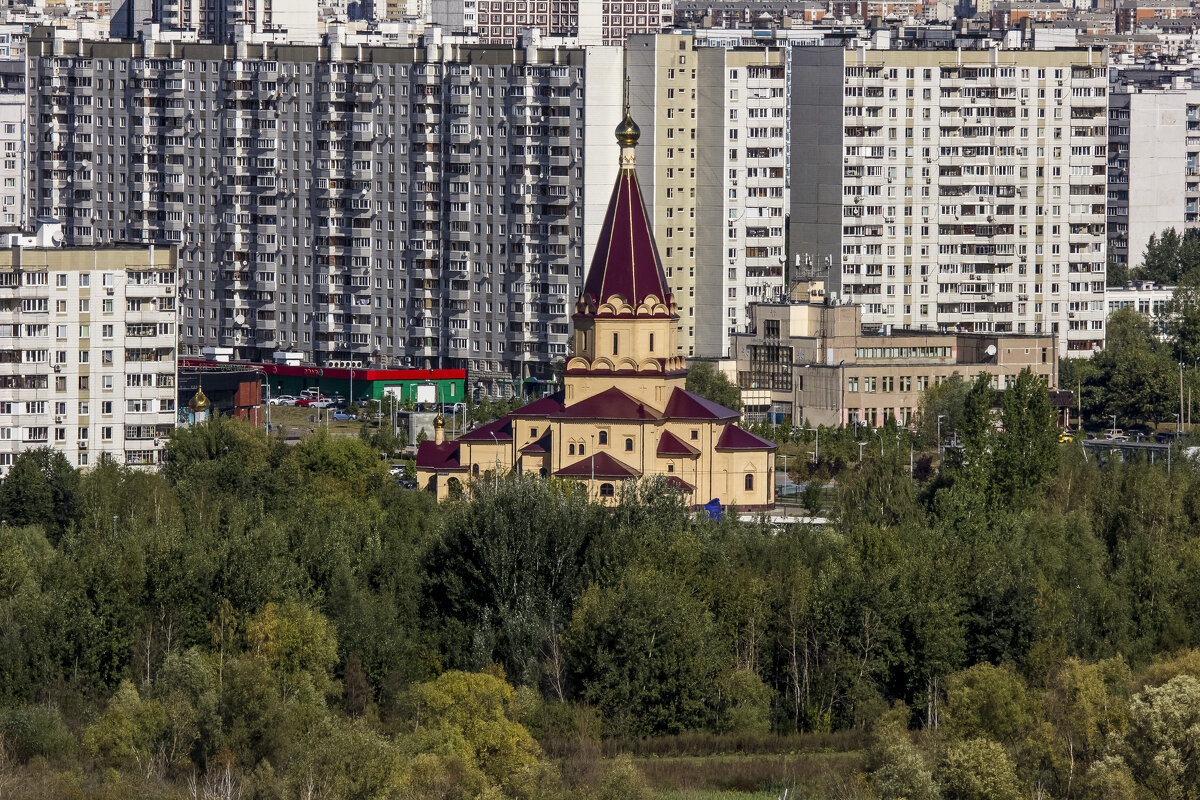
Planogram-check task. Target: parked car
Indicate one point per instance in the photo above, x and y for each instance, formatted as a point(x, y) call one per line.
point(307, 401)
point(323, 402)
point(1115, 434)
point(284, 400)
point(342, 416)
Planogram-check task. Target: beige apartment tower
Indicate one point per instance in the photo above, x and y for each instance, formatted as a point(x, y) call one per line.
point(713, 162)
point(87, 352)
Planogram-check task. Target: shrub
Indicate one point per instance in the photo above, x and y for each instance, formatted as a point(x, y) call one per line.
point(31, 731)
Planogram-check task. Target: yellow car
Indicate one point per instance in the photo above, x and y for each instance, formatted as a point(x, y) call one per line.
point(1066, 437)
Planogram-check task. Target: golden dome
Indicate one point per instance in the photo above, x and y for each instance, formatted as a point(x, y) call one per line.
point(199, 401)
point(439, 421)
point(628, 132)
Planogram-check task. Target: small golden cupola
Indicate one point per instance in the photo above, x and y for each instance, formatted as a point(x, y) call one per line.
point(199, 402)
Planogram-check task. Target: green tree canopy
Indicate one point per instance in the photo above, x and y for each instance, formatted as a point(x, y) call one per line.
point(703, 379)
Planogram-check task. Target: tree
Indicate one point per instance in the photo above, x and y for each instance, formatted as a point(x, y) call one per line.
point(294, 641)
point(508, 572)
point(978, 769)
point(127, 733)
point(896, 770)
point(1027, 451)
point(943, 399)
point(704, 380)
point(479, 708)
point(1163, 742)
point(1083, 710)
point(639, 651)
point(1139, 376)
point(1160, 261)
point(41, 488)
point(989, 702)
point(1181, 319)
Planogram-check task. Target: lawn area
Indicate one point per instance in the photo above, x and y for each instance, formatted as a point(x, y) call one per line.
point(294, 421)
point(719, 795)
point(702, 766)
point(812, 776)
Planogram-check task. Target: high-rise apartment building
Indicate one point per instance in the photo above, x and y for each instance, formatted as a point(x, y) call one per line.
point(419, 207)
point(87, 352)
point(713, 163)
point(1153, 163)
point(956, 189)
point(592, 21)
point(12, 143)
point(224, 21)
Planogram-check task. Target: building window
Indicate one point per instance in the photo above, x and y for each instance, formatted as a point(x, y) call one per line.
point(695, 435)
point(570, 449)
point(629, 445)
point(603, 438)
point(606, 490)
point(652, 343)
point(749, 481)
point(615, 350)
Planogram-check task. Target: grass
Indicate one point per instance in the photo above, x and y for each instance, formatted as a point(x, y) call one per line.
point(807, 775)
point(704, 766)
point(719, 795)
point(295, 421)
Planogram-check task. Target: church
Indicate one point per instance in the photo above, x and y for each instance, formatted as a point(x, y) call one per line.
point(624, 413)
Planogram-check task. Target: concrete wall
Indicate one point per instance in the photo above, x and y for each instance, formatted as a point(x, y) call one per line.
point(1157, 134)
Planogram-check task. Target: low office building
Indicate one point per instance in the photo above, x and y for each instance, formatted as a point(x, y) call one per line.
point(811, 360)
point(87, 351)
point(1145, 297)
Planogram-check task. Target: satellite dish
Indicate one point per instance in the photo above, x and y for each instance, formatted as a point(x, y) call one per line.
point(991, 350)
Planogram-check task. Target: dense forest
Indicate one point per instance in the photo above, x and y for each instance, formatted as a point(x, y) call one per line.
point(264, 620)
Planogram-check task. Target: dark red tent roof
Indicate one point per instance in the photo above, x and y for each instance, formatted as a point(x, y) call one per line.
point(549, 404)
point(734, 438)
point(671, 445)
point(502, 428)
point(609, 404)
point(442, 457)
point(685, 405)
point(626, 258)
point(600, 465)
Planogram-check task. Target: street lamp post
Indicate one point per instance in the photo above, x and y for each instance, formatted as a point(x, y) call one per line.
point(496, 475)
point(939, 422)
point(816, 444)
point(861, 445)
